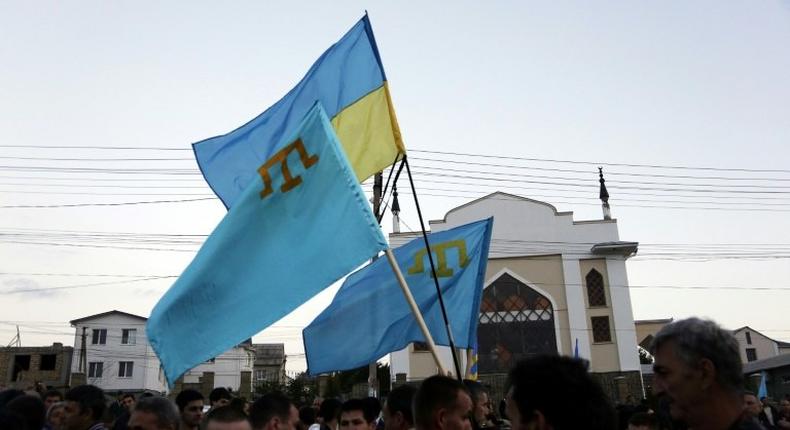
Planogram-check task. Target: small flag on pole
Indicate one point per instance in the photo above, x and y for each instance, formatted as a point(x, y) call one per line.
point(762, 391)
point(576, 349)
point(302, 224)
point(370, 317)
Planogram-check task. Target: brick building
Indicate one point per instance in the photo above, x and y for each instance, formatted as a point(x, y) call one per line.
point(23, 367)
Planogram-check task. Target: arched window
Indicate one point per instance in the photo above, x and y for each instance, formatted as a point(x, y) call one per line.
point(596, 295)
point(515, 322)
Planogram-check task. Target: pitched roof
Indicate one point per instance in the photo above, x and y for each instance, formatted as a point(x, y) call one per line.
point(104, 314)
point(780, 360)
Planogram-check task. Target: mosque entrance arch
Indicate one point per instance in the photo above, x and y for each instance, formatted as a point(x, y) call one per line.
point(515, 322)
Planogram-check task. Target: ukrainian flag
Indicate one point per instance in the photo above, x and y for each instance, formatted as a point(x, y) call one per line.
point(349, 81)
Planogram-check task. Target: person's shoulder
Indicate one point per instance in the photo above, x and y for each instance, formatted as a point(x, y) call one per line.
point(747, 424)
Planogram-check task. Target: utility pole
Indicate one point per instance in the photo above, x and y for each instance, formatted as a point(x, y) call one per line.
point(83, 352)
point(373, 382)
point(17, 340)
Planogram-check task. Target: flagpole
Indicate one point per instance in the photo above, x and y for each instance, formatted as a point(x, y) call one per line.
point(433, 273)
point(415, 310)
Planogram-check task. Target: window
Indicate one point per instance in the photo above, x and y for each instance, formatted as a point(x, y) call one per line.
point(99, 336)
point(125, 369)
point(47, 362)
point(596, 295)
point(421, 347)
point(600, 329)
point(128, 336)
point(751, 354)
point(748, 338)
point(21, 364)
point(95, 369)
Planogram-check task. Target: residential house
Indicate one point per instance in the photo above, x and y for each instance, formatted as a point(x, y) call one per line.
point(757, 346)
point(111, 351)
point(232, 369)
point(269, 363)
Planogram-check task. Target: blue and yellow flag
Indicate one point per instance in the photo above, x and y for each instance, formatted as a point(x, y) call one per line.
point(369, 317)
point(349, 81)
point(300, 226)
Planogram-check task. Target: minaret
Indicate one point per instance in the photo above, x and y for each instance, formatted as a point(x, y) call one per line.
point(604, 196)
point(395, 211)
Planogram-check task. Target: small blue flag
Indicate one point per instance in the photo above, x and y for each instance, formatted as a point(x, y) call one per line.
point(302, 224)
point(369, 317)
point(576, 349)
point(762, 391)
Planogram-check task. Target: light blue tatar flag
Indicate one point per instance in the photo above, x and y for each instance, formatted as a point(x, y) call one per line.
point(369, 317)
point(762, 390)
point(302, 224)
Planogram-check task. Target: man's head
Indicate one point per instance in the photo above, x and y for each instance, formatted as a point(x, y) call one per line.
point(227, 418)
point(751, 406)
point(642, 421)
point(481, 405)
point(190, 407)
point(273, 411)
point(442, 403)
point(31, 408)
point(51, 397)
point(397, 410)
point(127, 400)
point(536, 385)
point(219, 397)
point(695, 359)
point(329, 411)
point(154, 413)
point(84, 407)
point(784, 407)
point(357, 414)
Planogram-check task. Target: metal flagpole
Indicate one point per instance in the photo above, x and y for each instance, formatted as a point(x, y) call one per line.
point(433, 272)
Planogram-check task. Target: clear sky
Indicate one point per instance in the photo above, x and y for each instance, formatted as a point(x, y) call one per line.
point(674, 83)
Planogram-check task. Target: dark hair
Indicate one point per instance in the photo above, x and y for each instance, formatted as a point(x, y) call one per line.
point(307, 415)
point(187, 396)
point(399, 400)
point(226, 414)
point(8, 395)
point(11, 421)
point(127, 395)
point(695, 339)
point(435, 393)
point(270, 405)
point(89, 397)
point(219, 393)
point(330, 409)
point(53, 393)
point(30, 408)
point(164, 409)
point(363, 405)
point(475, 391)
point(538, 382)
point(643, 419)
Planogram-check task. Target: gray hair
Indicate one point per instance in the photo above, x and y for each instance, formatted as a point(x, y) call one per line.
point(164, 409)
point(695, 339)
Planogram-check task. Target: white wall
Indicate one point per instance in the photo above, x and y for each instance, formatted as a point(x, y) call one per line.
point(145, 372)
point(227, 368)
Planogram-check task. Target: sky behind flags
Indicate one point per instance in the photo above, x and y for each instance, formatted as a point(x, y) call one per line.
point(297, 229)
point(349, 81)
point(369, 317)
point(589, 83)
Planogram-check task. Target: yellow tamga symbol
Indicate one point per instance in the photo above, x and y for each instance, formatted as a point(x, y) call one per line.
point(289, 182)
point(441, 255)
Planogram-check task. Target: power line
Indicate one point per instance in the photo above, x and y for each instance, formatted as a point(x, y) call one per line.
point(75, 205)
point(652, 166)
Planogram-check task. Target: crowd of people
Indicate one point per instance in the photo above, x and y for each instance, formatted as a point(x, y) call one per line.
point(698, 384)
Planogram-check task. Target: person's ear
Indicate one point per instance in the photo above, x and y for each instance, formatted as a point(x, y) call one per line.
point(707, 373)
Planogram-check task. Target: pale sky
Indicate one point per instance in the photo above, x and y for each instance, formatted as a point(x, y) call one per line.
point(674, 83)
